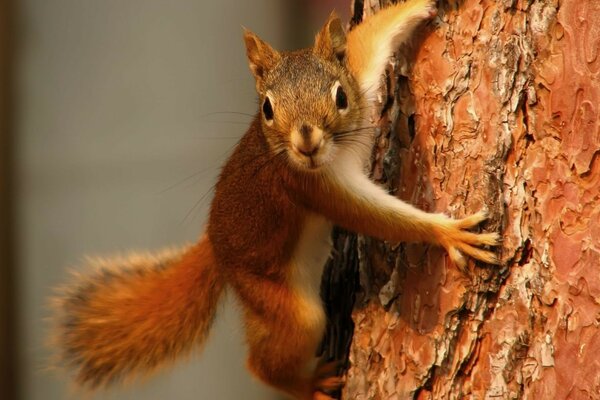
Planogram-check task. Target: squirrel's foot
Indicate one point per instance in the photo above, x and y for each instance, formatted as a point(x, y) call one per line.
point(322, 396)
point(456, 239)
point(327, 380)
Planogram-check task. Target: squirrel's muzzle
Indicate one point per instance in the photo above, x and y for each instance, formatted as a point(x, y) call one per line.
point(307, 140)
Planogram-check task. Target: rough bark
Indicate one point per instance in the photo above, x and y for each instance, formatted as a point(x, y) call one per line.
point(498, 106)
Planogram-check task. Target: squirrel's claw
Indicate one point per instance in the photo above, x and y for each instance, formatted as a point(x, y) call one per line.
point(457, 240)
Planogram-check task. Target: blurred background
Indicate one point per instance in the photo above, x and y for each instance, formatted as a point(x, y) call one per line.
point(115, 116)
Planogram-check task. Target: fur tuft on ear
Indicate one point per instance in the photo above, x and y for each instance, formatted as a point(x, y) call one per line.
point(330, 42)
point(261, 56)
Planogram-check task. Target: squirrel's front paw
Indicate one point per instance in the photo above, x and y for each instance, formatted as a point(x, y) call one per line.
point(456, 239)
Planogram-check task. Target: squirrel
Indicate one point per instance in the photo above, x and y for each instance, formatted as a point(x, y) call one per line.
point(300, 168)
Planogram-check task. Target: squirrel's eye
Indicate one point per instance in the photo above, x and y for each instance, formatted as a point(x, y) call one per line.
point(267, 109)
point(341, 100)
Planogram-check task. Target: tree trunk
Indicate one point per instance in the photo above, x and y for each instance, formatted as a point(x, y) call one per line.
point(497, 106)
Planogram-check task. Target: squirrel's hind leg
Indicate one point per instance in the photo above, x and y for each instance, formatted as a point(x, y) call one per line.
point(283, 331)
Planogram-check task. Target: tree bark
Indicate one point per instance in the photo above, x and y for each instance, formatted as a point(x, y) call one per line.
point(496, 106)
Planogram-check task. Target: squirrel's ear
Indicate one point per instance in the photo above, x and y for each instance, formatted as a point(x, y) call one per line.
point(261, 56)
point(331, 40)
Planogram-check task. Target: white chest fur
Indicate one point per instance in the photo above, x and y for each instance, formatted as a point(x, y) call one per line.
point(310, 256)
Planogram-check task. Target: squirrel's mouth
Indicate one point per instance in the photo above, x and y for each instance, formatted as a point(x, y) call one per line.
point(311, 162)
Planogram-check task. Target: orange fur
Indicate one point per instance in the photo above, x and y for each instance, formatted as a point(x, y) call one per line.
point(138, 312)
point(359, 205)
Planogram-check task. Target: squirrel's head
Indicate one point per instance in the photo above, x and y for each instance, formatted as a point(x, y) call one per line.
point(310, 105)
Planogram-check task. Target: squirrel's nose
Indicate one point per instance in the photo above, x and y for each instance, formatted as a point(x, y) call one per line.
point(307, 140)
point(308, 149)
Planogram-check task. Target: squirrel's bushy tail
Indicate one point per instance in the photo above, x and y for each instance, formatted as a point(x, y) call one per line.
point(137, 313)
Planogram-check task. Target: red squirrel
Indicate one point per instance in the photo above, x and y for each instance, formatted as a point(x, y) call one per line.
point(300, 168)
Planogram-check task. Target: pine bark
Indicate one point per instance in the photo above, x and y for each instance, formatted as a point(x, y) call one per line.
point(497, 106)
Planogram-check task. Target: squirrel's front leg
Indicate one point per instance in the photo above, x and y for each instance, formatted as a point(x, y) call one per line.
point(348, 198)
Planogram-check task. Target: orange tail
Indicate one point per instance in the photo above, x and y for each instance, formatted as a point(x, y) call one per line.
point(137, 313)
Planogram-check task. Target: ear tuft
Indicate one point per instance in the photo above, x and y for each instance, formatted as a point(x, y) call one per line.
point(261, 56)
point(330, 42)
